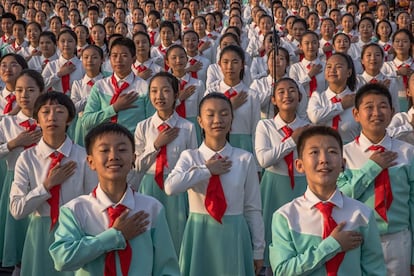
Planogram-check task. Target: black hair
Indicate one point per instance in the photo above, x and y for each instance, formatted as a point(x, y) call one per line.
point(8, 15)
point(170, 78)
point(155, 13)
point(377, 27)
point(146, 35)
point(405, 31)
point(93, 8)
point(36, 76)
point(372, 89)
point(54, 97)
point(239, 51)
point(106, 128)
point(20, 22)
point(123, 41)
point(337, 35)
point(96, 48)
point(317, 131)
point(167, 24)
point(301, 21)
point(19, 59)
point(232, 35)
point(275, 107)
point(366, 46)
point(48, 34)
point(70, 32)
point(351, 80)
point(367, 19)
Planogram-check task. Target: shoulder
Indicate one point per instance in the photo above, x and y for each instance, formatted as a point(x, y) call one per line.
point(292, 209)
point(355, 206)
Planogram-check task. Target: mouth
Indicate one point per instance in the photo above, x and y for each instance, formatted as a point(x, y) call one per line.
point(324, 170)
point(114, 166)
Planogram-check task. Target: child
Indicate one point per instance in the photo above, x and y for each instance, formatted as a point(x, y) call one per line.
point(144, 66)
point(342, 44)
point(327, 32)
point(121, 97)
point(92, 58)
point(113, 219)
point(205, 44)
point(191, 90)
point(82, 34)
point(19, 42)
point(159, 140)
point(60, 74)
point(379, 174)
point(309, 72)
point(166, 36)
point(33, 31)
point(197, 65)
point(10, 67)
point(153, 28)
point(47, 47)
point(98, 37)
point(324, 232)
point(401, 126)
point(47, 176)
point(383, 31)
point(17, 133)
point(365, 28)
point(275, 144)
point(245, 101)
point(224, 198)
point(333, 107)
point(258, 68)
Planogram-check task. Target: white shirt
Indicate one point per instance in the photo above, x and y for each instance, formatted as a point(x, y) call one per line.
point(214, 74)
point(29, 195)
point(192, 102)
point(259, 69)
point(240, 186)
point(150, 64)
point(321, 111)
point(401, 128)
point(202, 73)
point(38, 62)
point(81, 91)
point(52, 68)
point(269, 145)
point(299, 73)
point(390, 69)
point(3, 102)
point(16, 49)
point(147, 132)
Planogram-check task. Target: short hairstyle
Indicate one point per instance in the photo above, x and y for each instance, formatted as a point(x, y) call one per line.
point(93, 8)
point(8, 15)
point(36, 76)
point(48, 34)
point(123, 41)
point(317, 131)
point(22, 23)
point(154, 13)
point(106, 128)
point(54, 97)
point(372, 89)
point(167, 24)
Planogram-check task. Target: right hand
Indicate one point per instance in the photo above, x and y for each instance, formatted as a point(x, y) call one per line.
point(384, 159)
point(348, 101)
point(219, 166)
point(59, 174)
point(186, 92)
point(25, 138)
point(347, 239)
point(146, 74)
point(315, 69)
point(132, 226)
point(239, 99)
point(66, 69)
point(165, 137)
point(195, 67)
point(125, 101)
point(297, 132)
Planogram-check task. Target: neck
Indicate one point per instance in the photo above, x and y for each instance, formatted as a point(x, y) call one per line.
point(323, 193)
point(310, 58)
point(337, 87)
point(403, 57)
point(122, 75)
point(27, 112)
point(10, 86)
point(374, 138)
point(67, 57)
point(19, 41)
point(365, 39)
point(215, 144)
point(287, 116)
point(178, 73)
point(232, 82)
point(164, 115)
point(34, 44)
point(115, 190)
point(142, 57)
point(92, 74)
point(192, 53)
point(55, 140)
point(372, 73)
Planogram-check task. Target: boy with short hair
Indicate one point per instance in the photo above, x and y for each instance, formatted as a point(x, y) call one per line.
point(380, 173)
point(91, 235)
point(324, 232)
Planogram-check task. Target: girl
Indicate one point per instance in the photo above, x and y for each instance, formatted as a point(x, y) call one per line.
point(10, 67)
point(383, 32)
point(74, 18)
point(177, 33)
point(55, 24)
point(121, 28)
point(47, 176)
point(185, 18)
point(92, 59)
point(348, 27)
point(333, 107)
point(372, 58)
point(265, 86)
point(205, 43)
point(383, 13)
point(144, 66)
point(365, 27)
point(402, 66)
point(404, 21)
point(245, 101)
point(33, 31)
point(275, 147)
point(191, 90)
point(17, 133)
point(256, 45)
point(224, 198)
point(211, 27)
point(47, 47)
point(298, 30)
point(166, 36)
point(159, 140)
point(60, 74)
point(401, 126)
point(82, 34)
point(309, 72)
point(327, 32)
point(98, 37)
point(196, 65)
point(109, 24)
point(313, 22)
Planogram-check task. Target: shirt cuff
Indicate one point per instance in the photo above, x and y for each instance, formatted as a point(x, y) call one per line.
point(112, 239)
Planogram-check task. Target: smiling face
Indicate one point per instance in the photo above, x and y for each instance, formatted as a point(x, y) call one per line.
point(286, 96)
point(162, 96)
point(111, 157)
point(372, 60)
point(337, 71)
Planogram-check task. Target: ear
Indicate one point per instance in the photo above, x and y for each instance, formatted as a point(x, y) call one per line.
point(343, 164)
point(355, 113)
point(299, 166)
point(91, 164)
point(200, 122)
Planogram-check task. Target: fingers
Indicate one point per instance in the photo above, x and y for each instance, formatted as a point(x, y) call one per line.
point(340, 226)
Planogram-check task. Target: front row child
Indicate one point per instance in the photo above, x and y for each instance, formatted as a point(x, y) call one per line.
point(224, 232)
point(113, 230)
point(47, 176)
point(380, 173)
point(324, 232)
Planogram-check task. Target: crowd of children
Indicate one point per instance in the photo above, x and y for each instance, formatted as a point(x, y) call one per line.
point(171, 137)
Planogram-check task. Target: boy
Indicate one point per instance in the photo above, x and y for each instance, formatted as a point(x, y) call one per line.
point(89, 237)
point(121, 97)
point(380, 173)
point(324, 232)
point(7, 20)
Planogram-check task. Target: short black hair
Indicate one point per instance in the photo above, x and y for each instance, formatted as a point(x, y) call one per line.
point(315, 131)
point(54, 97)
point(124, 41)
point(106, 128)
point(372, 89)
point(19, 59)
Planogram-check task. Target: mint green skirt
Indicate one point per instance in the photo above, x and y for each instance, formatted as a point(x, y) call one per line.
point(197, 129)
point(176, 208)
point(210, 248)
point(242, 141)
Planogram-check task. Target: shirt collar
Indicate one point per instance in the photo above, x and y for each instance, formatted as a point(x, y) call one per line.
point(330, 94)
point(172, 121)
point(62, 60)
point(311, 199)
point(6, 92)
point(238, 87)
point(368, 77)
point(306, 62)
point(208, 153)
point(86, 79)
point(129, 79)
point(365, 143)
point(127, 199)
point(45, 150)
point(21, 117)
point(398, 62)
point(280, 123)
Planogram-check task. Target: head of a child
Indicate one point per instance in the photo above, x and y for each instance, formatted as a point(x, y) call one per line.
point(320, 158)
point(122, 56)
point(373, 110)
point(110, 150)
point(163, 92)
